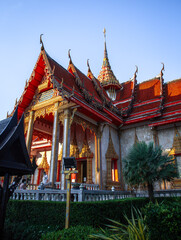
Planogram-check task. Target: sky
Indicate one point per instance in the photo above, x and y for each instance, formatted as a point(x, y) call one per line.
point(138, 32)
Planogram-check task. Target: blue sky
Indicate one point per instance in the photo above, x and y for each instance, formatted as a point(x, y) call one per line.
point(142, 33)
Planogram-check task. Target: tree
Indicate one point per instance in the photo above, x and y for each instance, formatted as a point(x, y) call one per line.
point(146, 164)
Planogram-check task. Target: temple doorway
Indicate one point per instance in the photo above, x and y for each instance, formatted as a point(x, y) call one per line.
point(82, 170)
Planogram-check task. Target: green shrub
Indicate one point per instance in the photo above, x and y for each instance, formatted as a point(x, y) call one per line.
point(81, 213)
point(163, 220)
point(25, 230)
point(73, 233)
point(37, 217)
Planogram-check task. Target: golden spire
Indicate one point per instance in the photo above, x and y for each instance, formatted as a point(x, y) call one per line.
point(106, 75)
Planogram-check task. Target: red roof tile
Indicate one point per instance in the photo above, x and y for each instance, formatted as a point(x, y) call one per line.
point(125, 92)
point(148, 90)
point(60, 72)
point(146, 107)
point(173, 91)
point(88, 84)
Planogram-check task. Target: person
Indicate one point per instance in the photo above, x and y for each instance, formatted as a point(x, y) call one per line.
point(44, 182)
point(45, 178)
point(23, 184)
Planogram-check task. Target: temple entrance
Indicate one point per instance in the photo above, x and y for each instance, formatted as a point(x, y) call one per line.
point(82, 170)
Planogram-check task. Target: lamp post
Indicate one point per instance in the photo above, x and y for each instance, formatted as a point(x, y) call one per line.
point(69, 162)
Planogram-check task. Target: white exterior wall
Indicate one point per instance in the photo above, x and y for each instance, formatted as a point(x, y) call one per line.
point(104, 146)
point(165, 137)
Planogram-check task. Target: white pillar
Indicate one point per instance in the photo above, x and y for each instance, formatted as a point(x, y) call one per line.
point(66, 142)
point(54, 152)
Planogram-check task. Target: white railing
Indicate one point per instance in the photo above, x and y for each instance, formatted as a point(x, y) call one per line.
point(85, 185)
point(80, 195)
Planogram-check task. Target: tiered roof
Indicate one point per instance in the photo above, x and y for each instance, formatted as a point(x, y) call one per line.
point(153, 100)
point(106, 75)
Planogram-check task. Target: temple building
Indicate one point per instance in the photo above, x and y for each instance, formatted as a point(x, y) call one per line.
point(96, 120)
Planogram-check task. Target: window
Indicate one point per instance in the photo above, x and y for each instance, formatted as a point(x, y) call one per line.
point(114, 170)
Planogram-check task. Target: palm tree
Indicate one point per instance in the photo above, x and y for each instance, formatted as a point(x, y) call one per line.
point(146, 164)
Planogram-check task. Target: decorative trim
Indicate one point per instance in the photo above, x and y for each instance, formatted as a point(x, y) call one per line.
point(85, 124)
point(177, 141)
point(85, 152)
point(74, 150)
point(44, 164)
point(44, 111)
point(111, 153)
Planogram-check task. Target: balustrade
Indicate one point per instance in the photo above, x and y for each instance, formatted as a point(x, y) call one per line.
point(82, 194)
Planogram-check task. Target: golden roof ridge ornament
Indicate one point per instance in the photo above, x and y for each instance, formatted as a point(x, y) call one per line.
point(70, 62)
point(88, 65)
point(41, 42)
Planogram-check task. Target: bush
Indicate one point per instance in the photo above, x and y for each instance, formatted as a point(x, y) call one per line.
point(73, 233)
point(25, 230)
point(81, 213)
point(163, 220)
point(29, 219)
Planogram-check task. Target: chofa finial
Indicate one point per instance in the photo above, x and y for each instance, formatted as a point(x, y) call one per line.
point(88, 65)
point(41, 42)
point(69, 55)
point(136, 69)
point(163, 67)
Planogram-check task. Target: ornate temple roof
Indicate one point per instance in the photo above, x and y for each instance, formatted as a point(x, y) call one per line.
point(106, 75)
point(105, 99)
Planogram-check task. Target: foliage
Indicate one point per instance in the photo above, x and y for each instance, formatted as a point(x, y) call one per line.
point(29, 219)
point(85, 213)
point(25, 230)
point(73, 233)
point(133, 230)
point(146, 164)
point(163, 220)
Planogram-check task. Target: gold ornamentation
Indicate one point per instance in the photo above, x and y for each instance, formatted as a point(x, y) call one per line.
point(60, 154)
point(61, 118)
point(85, 124)
point(111, 153)
point(25, 127)
point(44, 111)
point(86, 152)
point(44, 164)
point(44, 85)
point(177, 141)
point(74, 150)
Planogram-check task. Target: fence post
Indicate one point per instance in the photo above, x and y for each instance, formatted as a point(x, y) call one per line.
point(81, 193)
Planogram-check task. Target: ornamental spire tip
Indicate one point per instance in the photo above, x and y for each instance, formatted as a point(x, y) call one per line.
point(41, 42)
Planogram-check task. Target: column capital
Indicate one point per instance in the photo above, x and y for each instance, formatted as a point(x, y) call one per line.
point(100, 129)
point(67, 114)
